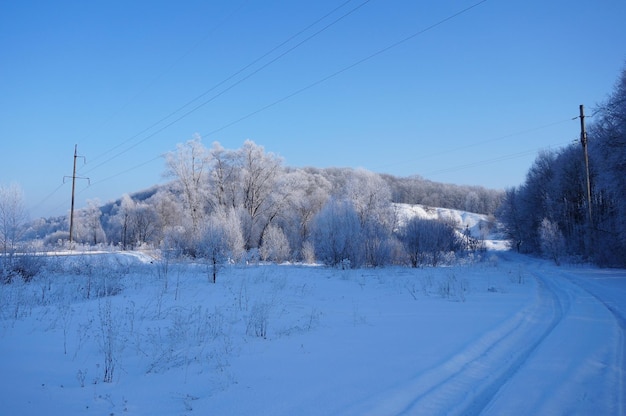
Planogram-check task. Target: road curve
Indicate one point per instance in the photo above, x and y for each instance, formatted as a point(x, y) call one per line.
point(564, 353)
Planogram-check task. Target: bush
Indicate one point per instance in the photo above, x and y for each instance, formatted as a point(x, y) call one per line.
point(429, 241)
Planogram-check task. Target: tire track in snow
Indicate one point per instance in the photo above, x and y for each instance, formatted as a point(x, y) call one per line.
point(620, 319)
point(578, 368)
point(482, 378)
point(467, 382)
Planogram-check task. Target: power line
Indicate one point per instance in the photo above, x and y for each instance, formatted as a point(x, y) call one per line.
point(347, 68)
point(479, 143)
point(128, 170)
point(494, 160)
point(309, 86)
point(233, 85)
point(157, 78)
point(47, 197)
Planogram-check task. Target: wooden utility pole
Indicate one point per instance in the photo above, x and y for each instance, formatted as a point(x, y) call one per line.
point(583, 141)
point(73, 192)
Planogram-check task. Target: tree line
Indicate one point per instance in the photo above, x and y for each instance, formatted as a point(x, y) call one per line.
point(226, 205)
point(549, 213)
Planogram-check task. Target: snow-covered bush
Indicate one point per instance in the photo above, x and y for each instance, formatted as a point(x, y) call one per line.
point(429, 241)
point(552, 240)
point(274, 245)
point(258, 320)
point(337, 234)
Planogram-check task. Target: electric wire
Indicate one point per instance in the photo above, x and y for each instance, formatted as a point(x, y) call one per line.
point(477, 143)
point(156, 79)
point(495, 159)
point(127, 170)
point(233, 85)
point(255, 61)
point(347, 68)
point(309, 86)
point(47, 197)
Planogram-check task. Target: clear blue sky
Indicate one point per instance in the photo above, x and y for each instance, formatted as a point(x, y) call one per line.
point(469, 101)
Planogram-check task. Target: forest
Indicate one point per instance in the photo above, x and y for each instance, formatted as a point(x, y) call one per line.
point(244, 204)
point(551, 214)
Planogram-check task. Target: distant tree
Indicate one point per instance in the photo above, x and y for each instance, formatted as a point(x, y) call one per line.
point(13, 217)
point(511, 216)
point(310, 191)
point(549, 212)
point(472, 202)
point(260, 172)
point(337, 234)
point(123, 218)
point(371, 198)
point(274, 245)
point(189, 166)
point(225, 177)
point(213, 246)
point(94, 233)
point(426, 241)
point(552, 241)
point(166, 211)
point(607, 148)
point(235, 243)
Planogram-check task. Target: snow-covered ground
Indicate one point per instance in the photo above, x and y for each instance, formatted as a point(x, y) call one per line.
point(510, 335)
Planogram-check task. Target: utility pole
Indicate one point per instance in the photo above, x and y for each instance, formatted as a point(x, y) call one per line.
point(73, 191)
point(583, 141)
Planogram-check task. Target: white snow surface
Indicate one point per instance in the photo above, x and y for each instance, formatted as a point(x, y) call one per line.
point(510, 335)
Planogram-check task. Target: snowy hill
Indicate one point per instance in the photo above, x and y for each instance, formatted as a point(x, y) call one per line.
point(480, 226)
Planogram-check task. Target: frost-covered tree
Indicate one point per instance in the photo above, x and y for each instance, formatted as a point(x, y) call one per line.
point(213, 246)
point(167, 213)
point(123, 219)
point(274, 245)
point(93, 233)
point(189, 166)
point(510, 214)
point(259, 175)
point(607, 148)
point(552, 241)
point(427, 241)
point(225, 177)
point(235, 243)
point(371, 198)
point(555, 189)
point(309, 192)
point(337, 234)
point(13, 218)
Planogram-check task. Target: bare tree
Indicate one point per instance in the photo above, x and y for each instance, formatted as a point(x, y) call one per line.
point(12, 228)
point(190, 165)
point(225, 176)
point(337, 234)
point(274, 245)
point(13, 217)
point(91, 221)
point(213, 246)
point(259, 174)
point(552, 241)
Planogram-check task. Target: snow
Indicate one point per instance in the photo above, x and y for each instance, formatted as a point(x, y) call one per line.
point(508, 335)
point(478, 225)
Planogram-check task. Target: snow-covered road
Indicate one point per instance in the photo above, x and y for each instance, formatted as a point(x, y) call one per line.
point(578, 367)
point(562, 354)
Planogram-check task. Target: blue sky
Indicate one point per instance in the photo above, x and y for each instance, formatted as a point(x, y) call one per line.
point(468, 101)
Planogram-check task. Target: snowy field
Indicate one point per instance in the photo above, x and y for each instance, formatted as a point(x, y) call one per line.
point(510, 335)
